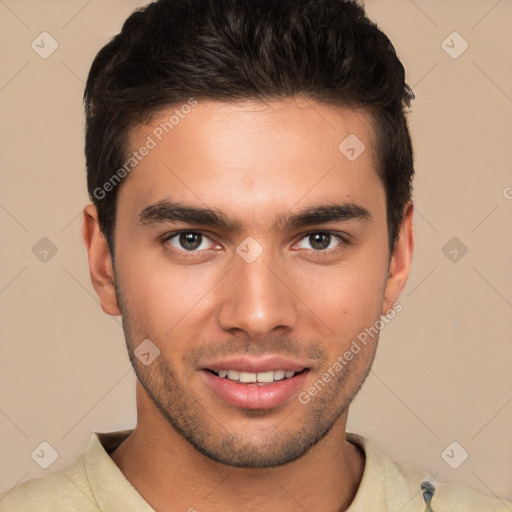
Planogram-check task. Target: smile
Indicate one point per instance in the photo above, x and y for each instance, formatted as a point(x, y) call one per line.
point(260, 378)
point(255, 390)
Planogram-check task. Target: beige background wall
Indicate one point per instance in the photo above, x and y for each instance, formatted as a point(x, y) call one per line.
point(443, 372)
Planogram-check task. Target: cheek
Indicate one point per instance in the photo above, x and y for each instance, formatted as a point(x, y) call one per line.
point(347, 298)
point(162, 296)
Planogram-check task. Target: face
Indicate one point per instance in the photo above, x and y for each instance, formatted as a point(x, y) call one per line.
point(252, 252)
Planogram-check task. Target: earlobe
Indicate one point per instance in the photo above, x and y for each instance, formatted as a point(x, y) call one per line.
point(400, 264)
point(100, 262)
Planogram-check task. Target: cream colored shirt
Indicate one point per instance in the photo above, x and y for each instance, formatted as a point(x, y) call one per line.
point(94, 483)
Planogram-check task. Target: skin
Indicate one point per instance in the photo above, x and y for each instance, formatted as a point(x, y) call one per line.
point(253, 161)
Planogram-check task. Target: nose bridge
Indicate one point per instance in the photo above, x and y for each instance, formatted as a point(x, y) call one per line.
point(256, 298)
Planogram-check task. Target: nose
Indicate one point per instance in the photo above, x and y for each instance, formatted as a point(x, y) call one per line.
point(257, 298)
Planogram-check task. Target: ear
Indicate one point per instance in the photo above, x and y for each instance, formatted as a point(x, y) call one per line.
point(100, 262)
point(400, 263)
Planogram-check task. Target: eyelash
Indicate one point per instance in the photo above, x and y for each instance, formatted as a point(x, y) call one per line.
point(342, 242)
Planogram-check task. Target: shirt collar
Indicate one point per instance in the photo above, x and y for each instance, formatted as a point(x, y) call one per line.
point(382, 487)
point(110, 487)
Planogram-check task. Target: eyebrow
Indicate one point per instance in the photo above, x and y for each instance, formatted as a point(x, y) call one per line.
point(171, 211)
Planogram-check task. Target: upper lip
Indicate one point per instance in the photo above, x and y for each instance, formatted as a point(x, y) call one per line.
point(255, 364)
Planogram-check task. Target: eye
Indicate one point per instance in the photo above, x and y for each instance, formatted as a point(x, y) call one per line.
point(189, 241)
point(322, 240)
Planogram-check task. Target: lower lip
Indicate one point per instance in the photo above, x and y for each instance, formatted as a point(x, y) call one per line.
point(254, 396)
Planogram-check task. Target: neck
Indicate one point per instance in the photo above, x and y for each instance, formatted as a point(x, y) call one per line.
point(171, 475)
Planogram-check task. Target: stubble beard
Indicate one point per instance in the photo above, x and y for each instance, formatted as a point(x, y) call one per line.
point(198, 425)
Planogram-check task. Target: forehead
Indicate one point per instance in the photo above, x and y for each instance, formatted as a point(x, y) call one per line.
point(254, 155)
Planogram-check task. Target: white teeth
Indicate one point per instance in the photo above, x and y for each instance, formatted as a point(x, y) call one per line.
point(265, 376)
point(261, 377)
point(233, 375)
point(279, 374)
point(247, 377)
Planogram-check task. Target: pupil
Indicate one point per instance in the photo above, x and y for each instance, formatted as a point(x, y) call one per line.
point(316, 239)
point(187, 240)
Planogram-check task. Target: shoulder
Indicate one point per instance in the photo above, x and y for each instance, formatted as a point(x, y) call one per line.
point(89, 484)
point(445, 497)
point(408, 488)
point(457, 497)
point(66, 489)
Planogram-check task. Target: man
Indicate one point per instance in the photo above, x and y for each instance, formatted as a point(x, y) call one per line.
point(250, 168)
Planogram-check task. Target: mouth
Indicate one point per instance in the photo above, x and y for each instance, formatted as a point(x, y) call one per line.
point(250, 383)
